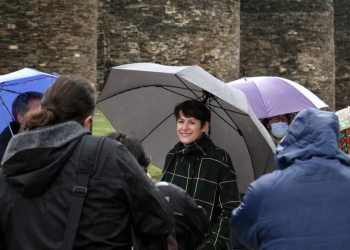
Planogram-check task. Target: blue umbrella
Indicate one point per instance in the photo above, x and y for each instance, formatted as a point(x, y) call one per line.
point(17, 82)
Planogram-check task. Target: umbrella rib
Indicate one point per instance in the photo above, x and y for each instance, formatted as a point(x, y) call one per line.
point(199, 96)
point(166, 87)
point(219, 105)
point(167, 117)
point(9, 91)
point(8, 123)
point(238, 130)
point(263, 100)
point(3, 104)
point(172, 91)
point(29, 80)
point(160, 123)
point(154, 128)
point(186, 86)
point(233, 111)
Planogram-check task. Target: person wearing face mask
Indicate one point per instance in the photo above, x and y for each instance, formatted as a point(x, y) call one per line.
point(277, 126)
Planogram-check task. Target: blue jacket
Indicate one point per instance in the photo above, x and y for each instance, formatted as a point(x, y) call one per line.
point(305, 204)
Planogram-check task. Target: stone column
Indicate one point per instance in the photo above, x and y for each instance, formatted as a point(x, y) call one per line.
point(51, 36)
point(342, 53)
point(204, 33)
point(291, 39)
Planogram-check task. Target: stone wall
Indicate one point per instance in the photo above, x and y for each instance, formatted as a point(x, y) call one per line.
point(291, 39)
point(342, 53)
point(171, 32)
point(51, 36)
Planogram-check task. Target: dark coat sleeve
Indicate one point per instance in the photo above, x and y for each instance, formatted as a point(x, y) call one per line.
point(2, 240)
point(244, 219)
point(4, 139)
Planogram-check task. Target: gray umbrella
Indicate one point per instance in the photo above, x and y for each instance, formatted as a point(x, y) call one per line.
point(140, 99)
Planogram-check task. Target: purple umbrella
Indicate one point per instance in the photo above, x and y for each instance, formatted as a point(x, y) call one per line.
point(270, 96)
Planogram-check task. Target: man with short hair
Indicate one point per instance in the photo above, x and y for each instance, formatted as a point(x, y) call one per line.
point(23, 103)
point(204, 170)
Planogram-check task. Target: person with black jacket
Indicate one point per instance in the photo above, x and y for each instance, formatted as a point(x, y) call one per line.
point(204, 170)
point(39, 175)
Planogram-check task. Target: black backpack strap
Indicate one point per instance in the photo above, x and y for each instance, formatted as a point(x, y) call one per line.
point(88, 154)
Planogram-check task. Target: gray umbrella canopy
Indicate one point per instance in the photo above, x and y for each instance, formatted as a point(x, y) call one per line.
point(140, 98)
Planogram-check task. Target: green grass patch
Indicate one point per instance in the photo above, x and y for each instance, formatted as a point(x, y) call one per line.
point(101, 126)
point(154, 172)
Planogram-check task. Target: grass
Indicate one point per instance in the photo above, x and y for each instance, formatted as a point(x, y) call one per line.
point(102, 126)
point(155, 172)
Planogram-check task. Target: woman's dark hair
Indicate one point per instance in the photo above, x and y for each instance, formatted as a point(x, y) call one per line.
point(193, 108)
point(134, 145)
point(70, 98)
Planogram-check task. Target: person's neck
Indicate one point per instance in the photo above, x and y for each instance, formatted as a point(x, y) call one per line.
point(189, 144)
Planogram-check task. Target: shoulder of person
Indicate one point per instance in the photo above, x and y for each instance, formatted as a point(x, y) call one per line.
point(267, 181)
point(211, 147)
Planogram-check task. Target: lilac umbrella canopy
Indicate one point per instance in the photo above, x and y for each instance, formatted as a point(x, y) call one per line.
point(270, 96)
point(18, 82)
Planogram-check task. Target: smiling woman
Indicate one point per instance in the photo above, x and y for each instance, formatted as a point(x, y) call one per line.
point(189, 129)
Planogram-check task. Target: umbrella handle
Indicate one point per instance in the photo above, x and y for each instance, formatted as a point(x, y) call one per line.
point(243, 72)
point(207, 95)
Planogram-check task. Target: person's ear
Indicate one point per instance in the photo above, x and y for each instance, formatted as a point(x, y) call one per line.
point(87, 123)
point(205, 128)
point(20, 118)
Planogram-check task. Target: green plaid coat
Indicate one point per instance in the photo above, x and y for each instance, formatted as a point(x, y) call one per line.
point(205, 171)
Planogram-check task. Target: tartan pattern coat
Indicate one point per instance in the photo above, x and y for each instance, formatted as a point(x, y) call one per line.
point(206, 172)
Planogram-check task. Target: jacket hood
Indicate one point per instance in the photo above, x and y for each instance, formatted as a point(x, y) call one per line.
point(313, 133)
point(33, 159)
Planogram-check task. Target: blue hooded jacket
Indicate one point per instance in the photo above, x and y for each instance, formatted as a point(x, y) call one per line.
point(305, 203)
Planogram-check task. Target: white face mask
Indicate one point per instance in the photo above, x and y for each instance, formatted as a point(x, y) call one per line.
point(279, 129)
